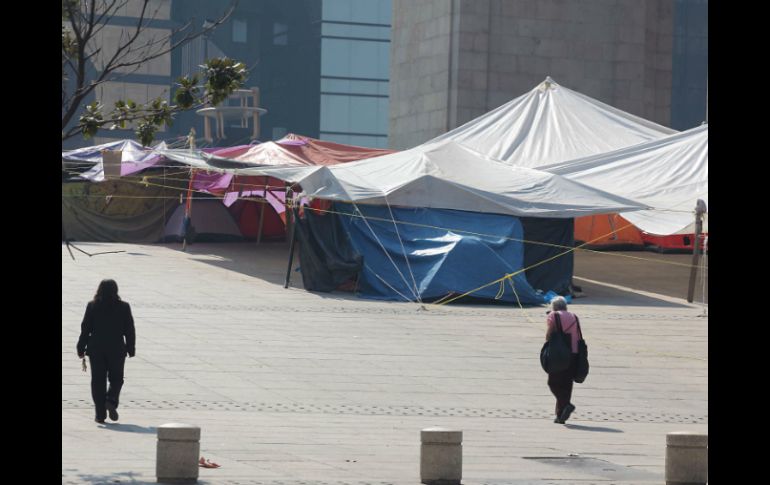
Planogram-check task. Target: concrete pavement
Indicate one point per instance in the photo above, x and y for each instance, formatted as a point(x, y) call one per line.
point(294, 387)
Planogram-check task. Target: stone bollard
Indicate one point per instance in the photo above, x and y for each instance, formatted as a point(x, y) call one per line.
point(687, 458)
point(441, 456)
point(178, 451)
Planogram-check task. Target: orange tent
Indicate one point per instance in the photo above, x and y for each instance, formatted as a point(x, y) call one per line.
point(607, 231)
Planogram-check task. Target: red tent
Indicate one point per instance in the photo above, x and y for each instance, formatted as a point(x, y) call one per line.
point(302, 150)
point(253, 191)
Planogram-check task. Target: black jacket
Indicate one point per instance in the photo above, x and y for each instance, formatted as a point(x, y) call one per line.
point(104, 328)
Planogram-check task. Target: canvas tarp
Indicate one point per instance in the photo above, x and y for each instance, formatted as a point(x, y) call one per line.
point(420, 255)
point(134, 158)
point(450, 176)
point(210, 221)
point(116, 211)
point(548, 257)
point(305, 151)
point(326, 256)
point(222, 177)
point(552, 124)
point(669, 175)
point(608, 231)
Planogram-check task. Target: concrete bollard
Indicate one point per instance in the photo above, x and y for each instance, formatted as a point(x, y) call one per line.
point(441, 456)
point(178, 451)
point(687, 458)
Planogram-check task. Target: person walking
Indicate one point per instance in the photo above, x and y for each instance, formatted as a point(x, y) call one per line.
point(107, 335)
point(560, 383)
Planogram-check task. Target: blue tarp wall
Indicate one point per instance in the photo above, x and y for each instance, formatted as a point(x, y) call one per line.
point(442, 260)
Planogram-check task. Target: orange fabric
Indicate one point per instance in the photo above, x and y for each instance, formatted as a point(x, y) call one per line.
point(607, 230)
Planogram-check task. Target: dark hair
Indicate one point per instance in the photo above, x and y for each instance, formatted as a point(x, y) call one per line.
point(107, 292)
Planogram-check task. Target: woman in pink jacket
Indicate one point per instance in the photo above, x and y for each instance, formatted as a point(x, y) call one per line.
point(560, 383)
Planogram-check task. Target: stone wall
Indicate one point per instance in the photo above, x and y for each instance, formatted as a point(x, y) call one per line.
point(453, 60)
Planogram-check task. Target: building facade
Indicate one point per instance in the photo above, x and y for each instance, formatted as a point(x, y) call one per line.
point(321, 67)
point(151, 80)
point(453, 60)
point(355, 65)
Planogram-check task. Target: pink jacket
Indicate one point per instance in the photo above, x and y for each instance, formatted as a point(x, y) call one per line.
point(568, 325)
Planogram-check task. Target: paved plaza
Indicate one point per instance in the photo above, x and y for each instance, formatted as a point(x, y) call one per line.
point(295, 387)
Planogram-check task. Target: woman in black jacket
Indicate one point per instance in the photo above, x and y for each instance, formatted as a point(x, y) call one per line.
point(106, 336)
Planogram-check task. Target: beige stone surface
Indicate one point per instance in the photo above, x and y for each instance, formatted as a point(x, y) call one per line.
point(290, 386)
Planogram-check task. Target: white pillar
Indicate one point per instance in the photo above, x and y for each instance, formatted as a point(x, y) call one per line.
point(686, 458)
point(178, 451)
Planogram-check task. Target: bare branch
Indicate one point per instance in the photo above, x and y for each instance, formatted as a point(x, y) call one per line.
point(87, 19)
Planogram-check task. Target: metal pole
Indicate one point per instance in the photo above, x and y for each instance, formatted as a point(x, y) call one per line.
point(291, 252)
point(700, 209)
point(262, 214)
point(187, 222)
point(288, 206)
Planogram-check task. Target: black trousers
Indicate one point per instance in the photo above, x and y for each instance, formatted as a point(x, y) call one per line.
point(560, 384)
point(104, 367)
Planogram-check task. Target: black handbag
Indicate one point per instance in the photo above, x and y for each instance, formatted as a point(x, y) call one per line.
point(582, 364)
point(556, 354)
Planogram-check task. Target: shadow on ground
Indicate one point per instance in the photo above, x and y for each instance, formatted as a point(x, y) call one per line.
point(121, 477)
point(268, 262)
point(130, 428)
point(593, 428)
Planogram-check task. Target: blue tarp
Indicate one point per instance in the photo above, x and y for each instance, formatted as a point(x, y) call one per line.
point(442, 261)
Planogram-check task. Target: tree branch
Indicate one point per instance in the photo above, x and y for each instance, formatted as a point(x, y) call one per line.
point(87, 19)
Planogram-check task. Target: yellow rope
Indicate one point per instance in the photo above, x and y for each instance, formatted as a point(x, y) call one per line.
point(146, 183)
point(428, 226)
point(444, 300)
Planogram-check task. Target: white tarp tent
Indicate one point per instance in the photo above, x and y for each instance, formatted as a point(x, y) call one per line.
point(451, 176)
point(133, 158)
point(669, 174)
point(552, 124)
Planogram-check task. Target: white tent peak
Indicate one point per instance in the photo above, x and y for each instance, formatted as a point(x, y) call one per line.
point(547, 84)
point(548, 125)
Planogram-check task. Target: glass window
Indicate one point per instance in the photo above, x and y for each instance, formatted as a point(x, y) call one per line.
point(335, 113)
point(280, 34)
point(359, 31)
point(354, 114)
point(365, 11)
point(355, 70)
point(239, 30)
point(690, 64)
point(354, 86)
point(347, 58)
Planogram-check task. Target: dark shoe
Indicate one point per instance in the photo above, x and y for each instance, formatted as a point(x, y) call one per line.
point(566, 412)
point(558, 421)
point(112, 411)
point(100, 421)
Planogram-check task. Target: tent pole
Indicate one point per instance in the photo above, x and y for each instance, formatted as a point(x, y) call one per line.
point(291, 252)
point(287, 205)
point(700, 209)
point(262, 214)
point(188, 211)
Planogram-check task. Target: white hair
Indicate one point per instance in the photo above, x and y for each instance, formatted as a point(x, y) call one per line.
point(558, 303)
